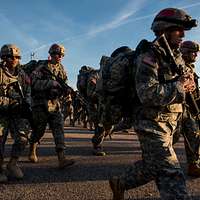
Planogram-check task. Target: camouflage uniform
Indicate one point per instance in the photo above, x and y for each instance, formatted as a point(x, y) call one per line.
point(92, 98)
point(67, 108)
point(86, 84)
point(110, 105)
point(162, 97)
point(78, 109)
point(189, 125)
point(45, 103)
point(12, 80)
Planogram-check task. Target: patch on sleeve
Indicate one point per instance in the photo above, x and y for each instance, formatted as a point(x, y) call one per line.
point(149, 61)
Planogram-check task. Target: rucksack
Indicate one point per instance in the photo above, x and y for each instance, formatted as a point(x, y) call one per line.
point(30, 67)
point(91, 85)
point(82, 79)
point(117, 79)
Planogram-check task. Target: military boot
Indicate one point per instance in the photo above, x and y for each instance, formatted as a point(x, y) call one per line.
point(3, 177)
point(32, 153)
point(117, 188)
point(193, 170)
point(13, 169)
point(98, 151)
point(62, 161)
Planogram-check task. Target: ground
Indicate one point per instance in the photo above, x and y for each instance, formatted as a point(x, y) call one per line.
point(88, 178)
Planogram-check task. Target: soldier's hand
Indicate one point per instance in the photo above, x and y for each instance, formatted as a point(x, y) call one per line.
point(186, 83)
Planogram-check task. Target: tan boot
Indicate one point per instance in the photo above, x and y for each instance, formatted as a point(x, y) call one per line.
point(3, 177)
point(32, 153)
point(194, 170)
point(62, 161)
point(117, 188)
point(98, 151)
point(13, 169)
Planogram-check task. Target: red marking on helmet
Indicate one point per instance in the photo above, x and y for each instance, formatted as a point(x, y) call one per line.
point(166, 13)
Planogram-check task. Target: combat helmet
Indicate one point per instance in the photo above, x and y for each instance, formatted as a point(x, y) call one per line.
point(172, 17)
point(189, 46)
point(57, 49)
point(10, 50)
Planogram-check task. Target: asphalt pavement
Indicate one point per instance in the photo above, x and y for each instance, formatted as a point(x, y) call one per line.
point(88, 178)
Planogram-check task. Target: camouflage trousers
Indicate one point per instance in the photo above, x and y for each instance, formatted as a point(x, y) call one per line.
point(92, 113)
point(109, 113)
point(159, 162)
point(67, 111)
point(41, 118)
point(189, 128)
point(19, 129)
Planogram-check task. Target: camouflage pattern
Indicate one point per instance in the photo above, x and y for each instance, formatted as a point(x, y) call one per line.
point(155, 124)
point(57, 49)
point(45, 102)
point(111, 88)
point(109, 113)
point(80, 111)
point(11, 119)
point(67, 108)
point(189, 125)
point(92, 97)
point(9, 50)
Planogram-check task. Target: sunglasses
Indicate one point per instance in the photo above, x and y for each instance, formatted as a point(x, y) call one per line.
point(58, 54)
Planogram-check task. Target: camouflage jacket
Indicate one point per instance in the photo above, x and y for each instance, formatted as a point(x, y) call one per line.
point(156, 85)
point(91, 86)
point(14, 88)
point(196, 93)
point(42, 83)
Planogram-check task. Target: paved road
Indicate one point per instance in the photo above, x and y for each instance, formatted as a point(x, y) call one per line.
point(87, 179)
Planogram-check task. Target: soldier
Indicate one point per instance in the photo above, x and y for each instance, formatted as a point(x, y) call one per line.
point(92, 98)
point(14, 93)
point(109, 109)
point(67, 108)
point(161, 91)
point(46, 92)
point(189, 126)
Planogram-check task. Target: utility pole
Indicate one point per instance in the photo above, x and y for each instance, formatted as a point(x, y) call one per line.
point(32, 55)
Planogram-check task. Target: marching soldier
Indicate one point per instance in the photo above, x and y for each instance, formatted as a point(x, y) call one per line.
point(189, 126)
point(161, 90)
point(46, 107)
point(15, 95)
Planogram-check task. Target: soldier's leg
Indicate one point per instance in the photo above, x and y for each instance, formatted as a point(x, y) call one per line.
point(56, 125)
point(18, 130)
point(71, 113)
point(97, 140)
point(40, 122)
point(191, 135)
point(3, 137)
point(159, 163)
point(99, 133)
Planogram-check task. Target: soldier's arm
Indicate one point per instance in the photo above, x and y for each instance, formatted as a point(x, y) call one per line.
point(39, 83)
point(150, 90)
point(25, 82)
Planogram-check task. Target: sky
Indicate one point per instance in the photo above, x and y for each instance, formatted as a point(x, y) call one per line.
point(87, 28)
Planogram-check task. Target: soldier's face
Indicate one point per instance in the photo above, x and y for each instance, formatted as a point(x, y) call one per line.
point(56, 58)
point(190, 57)
point(12, 61)
point(175, 37)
